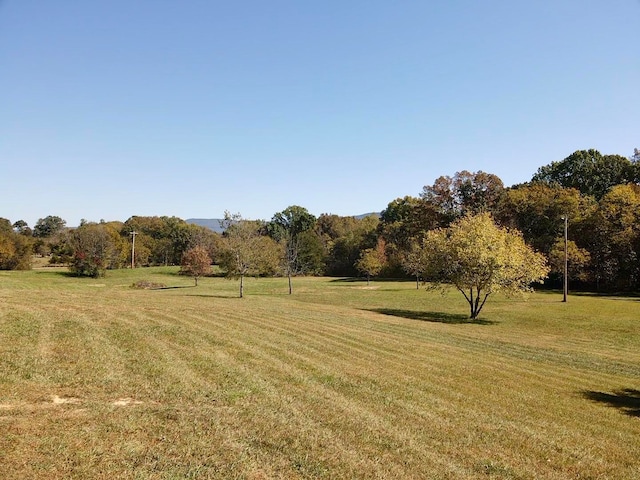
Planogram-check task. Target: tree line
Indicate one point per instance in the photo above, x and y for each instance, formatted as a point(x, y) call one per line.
point(599, 194)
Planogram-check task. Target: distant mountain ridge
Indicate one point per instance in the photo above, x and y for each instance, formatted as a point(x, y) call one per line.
point(214, 223)
point(210, 223)
point(365, 215)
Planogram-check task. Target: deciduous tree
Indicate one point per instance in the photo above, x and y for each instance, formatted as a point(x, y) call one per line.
point(407, 218)
point(94, 250)
point(355, 236)
point(479, 258)
point(413, 261)
point(578, 260)
point(48, 226)
point(372, 260)
point(15, 249)
point(311, 255)
point(588, 171)
point(245, 251)
point(614, 239)
point(22, 228)
point(196, 263)
point(401, 222)
point(287, 228)
point(537, 209)
point(464, 193)
point(163, 240)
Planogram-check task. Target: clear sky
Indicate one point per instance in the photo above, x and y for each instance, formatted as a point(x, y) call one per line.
point(116, 108)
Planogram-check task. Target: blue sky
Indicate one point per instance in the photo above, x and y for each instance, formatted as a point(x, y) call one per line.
point(116, 108)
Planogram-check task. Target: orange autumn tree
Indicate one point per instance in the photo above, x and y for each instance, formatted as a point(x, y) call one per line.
point(196, 263)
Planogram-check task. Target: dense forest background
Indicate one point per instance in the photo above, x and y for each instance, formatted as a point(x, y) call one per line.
point(598, 194)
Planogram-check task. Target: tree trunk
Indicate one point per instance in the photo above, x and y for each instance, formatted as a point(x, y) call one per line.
point(290, 285)
point(367, 279)
point(241, 286)
point(196, 279)
point(417, 282)
point(476, 305)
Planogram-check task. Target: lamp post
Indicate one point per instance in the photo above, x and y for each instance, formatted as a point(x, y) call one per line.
point(565, 287)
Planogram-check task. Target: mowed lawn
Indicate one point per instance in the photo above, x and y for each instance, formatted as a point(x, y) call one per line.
point(100, 380)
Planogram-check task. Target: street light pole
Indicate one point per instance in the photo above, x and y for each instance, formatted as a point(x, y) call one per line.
point(565, 288)
point(133, 249)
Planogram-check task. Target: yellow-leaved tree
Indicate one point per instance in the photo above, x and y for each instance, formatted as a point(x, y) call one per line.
point(480, 258)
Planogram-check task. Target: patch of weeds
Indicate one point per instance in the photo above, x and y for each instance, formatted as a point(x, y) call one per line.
point(147, 285)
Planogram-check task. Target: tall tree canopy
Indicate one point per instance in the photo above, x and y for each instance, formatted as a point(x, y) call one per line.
point(163, 240)
point(537, 209)
point(96, 248)
point(15, 248)
point(613, 238)
point(464, 193)
point(407, 218)
point(345, 238)
point(479, 258)
point(288, 227)
point(48, 226)
point(588, 171)
point(22, 228)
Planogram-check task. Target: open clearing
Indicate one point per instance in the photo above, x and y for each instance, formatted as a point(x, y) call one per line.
point(335, 381)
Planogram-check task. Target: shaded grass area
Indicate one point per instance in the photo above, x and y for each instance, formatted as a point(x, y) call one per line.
point(99, 380)
point(627, 400)
point(440, 317)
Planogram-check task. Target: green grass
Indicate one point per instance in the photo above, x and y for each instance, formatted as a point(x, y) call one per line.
point(101, 380)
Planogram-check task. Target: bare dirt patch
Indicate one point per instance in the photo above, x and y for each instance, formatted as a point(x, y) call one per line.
point(64, 400)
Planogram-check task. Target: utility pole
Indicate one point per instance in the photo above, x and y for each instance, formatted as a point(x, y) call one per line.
point(133, 249)
point(565, 287)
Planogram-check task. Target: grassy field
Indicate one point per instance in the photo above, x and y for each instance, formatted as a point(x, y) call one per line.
point(100, 380)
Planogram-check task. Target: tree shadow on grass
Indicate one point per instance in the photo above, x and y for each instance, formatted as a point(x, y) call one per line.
point(373, 279)
point(61, 273)
point(585, 293)
point(172, 288)
point(437, 317)
point(627, 400)
point(204, 295)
